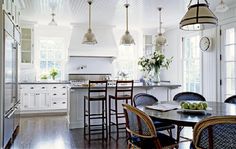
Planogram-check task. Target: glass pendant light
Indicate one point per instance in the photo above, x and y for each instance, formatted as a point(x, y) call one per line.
point(160, 40)
point(127, 39)
point(89, 37)
point(198, 17)
point(53, 22)
point(222, 7)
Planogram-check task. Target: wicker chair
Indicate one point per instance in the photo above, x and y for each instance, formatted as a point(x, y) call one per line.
point(143, 99)
point(142, 132)
point(231, 99)
point(188, 96)
point(215, 133)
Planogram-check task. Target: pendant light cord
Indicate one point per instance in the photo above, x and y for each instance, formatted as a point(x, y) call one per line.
point(127, 19)
point(90, 3)
point(160, 19)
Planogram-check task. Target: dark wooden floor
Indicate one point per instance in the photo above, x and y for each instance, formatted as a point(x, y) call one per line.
point(51, 132)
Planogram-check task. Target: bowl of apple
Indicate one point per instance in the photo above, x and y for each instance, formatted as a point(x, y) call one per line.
point(194, 107)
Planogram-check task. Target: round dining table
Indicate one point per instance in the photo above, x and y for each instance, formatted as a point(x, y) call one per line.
point(180, 118)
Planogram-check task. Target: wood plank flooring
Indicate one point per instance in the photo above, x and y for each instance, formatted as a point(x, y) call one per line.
point(51, 132)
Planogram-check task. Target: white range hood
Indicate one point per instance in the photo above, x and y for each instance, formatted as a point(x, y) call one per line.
point(106, 45)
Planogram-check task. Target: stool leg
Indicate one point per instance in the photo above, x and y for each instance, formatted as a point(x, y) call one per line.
point(117, 126)
point(109, 114)
point(106, 115)
point(89, 120)
point(84, 117)
point(103, 119)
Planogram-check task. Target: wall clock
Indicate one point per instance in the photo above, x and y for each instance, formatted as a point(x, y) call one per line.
point(205, 43)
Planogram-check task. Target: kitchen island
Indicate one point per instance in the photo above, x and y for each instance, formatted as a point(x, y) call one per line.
point(77, 93)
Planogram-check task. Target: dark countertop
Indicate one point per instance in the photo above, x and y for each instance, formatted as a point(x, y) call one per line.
point(46, 82)
point(166, 85)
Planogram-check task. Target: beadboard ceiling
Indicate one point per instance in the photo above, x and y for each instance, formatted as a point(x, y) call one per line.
point(142, 13)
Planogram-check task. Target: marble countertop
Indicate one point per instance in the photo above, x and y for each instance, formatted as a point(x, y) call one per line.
point(166, 85)
point(46, 82)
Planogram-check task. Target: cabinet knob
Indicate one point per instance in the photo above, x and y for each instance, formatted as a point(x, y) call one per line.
point(64, 94)
point(64, 102)
point(63, 87)
point(43, 87)
point(54, 103)
point(31, 87)
point(54, 87)
point(54, 94)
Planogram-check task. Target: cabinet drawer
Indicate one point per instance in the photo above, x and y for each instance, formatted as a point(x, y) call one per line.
point(34, 87)
point(59, 104)
point(59, 95)
point(58, 87)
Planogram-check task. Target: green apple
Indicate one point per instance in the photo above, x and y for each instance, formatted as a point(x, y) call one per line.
point(200, 106)
point(204, 105)
point(185, 105)
point(182, 103)
point(193, 106)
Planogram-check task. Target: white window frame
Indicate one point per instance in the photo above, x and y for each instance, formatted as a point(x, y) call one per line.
point(222, 72)
point(201, 61)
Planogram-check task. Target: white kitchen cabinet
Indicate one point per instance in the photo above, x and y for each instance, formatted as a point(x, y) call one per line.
point(43, 98)
point(28, 101)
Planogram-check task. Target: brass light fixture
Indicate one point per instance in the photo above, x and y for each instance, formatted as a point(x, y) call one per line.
point(89, 37)
point(127, 39)
point(160, 40)
point(198, 17)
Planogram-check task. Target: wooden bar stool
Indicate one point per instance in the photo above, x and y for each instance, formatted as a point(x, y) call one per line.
point(97, 92)
point(123, 92)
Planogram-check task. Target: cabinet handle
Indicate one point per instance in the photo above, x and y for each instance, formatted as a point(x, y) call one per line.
point(43, 87)
point(64, 94)
point(54, 103)
point(9, 13)
point(54, 94)
point(63, 87)
point(64, 102)
point(54, 87)
point(31, 87)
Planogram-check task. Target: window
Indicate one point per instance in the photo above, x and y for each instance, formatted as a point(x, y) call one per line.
point(52, 55)
point(191, 64)
point(126, 62)
point(228, 62)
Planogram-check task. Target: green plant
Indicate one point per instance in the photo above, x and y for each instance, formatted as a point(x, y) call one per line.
point(53, 73)
point(43, 76)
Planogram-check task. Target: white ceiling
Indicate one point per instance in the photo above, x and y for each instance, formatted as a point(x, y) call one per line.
point(142, 13)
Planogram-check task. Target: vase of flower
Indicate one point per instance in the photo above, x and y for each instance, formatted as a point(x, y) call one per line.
point(154, 63)
point(156, 75)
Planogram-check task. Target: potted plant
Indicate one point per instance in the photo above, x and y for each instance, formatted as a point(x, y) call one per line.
point(44, 77)
point(154, 63)
point(53, 73)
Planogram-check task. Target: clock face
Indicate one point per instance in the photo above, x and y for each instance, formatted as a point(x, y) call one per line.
point(204, 43)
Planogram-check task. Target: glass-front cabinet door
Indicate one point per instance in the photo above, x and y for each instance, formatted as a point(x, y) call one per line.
point(228, 61)
point(26, 45)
